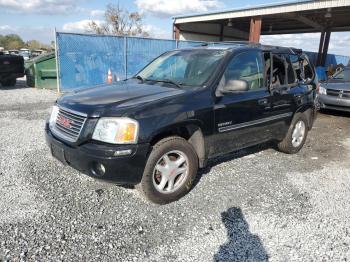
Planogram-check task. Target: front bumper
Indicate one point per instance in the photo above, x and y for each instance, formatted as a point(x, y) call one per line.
point(88, 157)
point(334, 102)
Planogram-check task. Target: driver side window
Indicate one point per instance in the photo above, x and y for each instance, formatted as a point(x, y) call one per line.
point(247, 66)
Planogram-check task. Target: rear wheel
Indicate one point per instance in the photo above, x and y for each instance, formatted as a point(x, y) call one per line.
point(296, 136)
point(170, 171)
point(9, 82)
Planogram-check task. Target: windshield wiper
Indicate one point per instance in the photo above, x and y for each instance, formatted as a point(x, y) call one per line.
point(139, 78)
point(168, 81)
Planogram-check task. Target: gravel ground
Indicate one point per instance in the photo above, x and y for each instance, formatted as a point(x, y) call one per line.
point(254, 205)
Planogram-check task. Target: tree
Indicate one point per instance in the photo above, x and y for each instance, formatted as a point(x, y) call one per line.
point(11, 41)
point(119, 21)
point(34, 44)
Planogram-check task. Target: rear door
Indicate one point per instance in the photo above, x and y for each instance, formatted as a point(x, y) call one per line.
point(241, 118)
point(285, 93)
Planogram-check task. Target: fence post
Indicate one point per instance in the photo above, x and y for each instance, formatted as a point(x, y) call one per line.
point(126, 56)
point(57, 63)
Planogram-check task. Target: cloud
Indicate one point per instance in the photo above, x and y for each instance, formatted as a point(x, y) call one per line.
point(310, 42)
point(166, 8)
point(97, 13)
point(39, 6)
point(79, 26)
point(41, 33)
point(157, 32)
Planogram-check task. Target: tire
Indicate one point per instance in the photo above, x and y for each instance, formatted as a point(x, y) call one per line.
point(291, 145)
point(9, 82)
point(168, 160)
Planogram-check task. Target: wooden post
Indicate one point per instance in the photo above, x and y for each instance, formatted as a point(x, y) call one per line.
point(255, 29)
point(176, 32)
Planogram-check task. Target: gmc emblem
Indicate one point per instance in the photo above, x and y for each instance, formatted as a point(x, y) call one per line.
point(64, 121)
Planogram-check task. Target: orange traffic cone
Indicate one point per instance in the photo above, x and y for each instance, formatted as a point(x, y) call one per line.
point(109, 77)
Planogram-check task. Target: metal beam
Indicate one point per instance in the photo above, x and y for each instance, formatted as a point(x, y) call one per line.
point(320, 49)
point(305, 20)
point(325, 48)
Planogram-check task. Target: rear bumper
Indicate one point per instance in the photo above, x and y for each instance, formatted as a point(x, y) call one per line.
point(86, 159)
point(333, 102)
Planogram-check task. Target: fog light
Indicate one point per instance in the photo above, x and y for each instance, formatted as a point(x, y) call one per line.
point(99, 169)
point(122, 152)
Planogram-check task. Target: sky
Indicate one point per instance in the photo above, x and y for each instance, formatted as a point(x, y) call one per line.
point(36, 19)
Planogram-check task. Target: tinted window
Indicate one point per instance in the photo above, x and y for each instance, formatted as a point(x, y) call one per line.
point(246, 66)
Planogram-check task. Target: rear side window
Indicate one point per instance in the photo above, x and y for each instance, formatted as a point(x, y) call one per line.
point(246, 66)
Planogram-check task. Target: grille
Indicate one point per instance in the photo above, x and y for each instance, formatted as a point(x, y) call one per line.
point(69, 125)
point(333, 92)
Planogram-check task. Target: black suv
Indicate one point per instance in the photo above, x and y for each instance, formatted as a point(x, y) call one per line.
point(187, 106)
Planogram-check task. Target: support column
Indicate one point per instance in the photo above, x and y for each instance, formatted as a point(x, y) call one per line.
point(325, 48)
point(255, 29)
point(320, 49)
point(176, 32)
point(222, 26)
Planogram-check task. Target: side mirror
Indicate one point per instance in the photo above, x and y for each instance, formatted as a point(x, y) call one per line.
point(235, 86)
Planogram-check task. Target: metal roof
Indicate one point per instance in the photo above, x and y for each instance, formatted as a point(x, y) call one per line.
point(263, 10)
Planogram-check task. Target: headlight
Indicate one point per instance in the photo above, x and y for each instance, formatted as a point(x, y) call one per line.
point(118, 130)
point(53, 116)
point(323, 91)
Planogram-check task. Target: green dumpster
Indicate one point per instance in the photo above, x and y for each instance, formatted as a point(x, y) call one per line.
point(41, 72)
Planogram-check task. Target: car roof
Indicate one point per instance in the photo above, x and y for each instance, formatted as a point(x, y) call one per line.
point(245, 45)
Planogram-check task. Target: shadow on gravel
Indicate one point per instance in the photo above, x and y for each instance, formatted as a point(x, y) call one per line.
point(232, 156)
point(335, 113)
point(242, 245)
point(20, 84)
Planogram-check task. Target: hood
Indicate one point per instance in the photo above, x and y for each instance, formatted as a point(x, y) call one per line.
point(337, 85)
point(98, 100)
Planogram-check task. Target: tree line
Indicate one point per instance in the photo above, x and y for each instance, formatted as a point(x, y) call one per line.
point(14, 41)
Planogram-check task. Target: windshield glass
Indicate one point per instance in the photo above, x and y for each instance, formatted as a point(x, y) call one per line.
point(184, 67)
point(343, 75)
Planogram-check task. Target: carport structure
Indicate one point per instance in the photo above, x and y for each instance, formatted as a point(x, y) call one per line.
point(323, 16)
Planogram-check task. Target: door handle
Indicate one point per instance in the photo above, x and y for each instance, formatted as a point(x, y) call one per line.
point(263, 102)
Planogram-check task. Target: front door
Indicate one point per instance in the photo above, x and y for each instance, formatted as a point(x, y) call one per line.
point(242, 118)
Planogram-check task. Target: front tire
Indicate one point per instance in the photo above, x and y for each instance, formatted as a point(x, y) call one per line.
point(170, 171)
point(296, 136)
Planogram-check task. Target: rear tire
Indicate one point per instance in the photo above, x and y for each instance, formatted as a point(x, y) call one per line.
point(296, 136)
point(170, 170)
point(9, 82)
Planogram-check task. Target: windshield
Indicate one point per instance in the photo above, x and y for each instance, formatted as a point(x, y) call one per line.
point(343, 75)
point(184, 67)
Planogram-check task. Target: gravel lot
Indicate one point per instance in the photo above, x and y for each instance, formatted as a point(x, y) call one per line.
point(254, 205)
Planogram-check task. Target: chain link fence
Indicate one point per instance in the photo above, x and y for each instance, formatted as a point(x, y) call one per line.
point(84, 60)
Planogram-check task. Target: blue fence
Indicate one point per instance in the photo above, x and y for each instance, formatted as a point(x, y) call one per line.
point(84, 60)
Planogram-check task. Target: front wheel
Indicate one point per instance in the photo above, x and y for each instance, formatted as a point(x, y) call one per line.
point(296, 136)
point(170, 171)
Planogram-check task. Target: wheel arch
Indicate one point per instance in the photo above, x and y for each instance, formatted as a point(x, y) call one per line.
point(192, 132)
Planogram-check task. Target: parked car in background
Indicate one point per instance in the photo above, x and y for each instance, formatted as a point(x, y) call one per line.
point(335, 93)
point(187, 106)
point(11, 68)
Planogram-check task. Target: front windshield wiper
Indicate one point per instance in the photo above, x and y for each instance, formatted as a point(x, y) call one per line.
point(139, 78)
point(168, 81)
